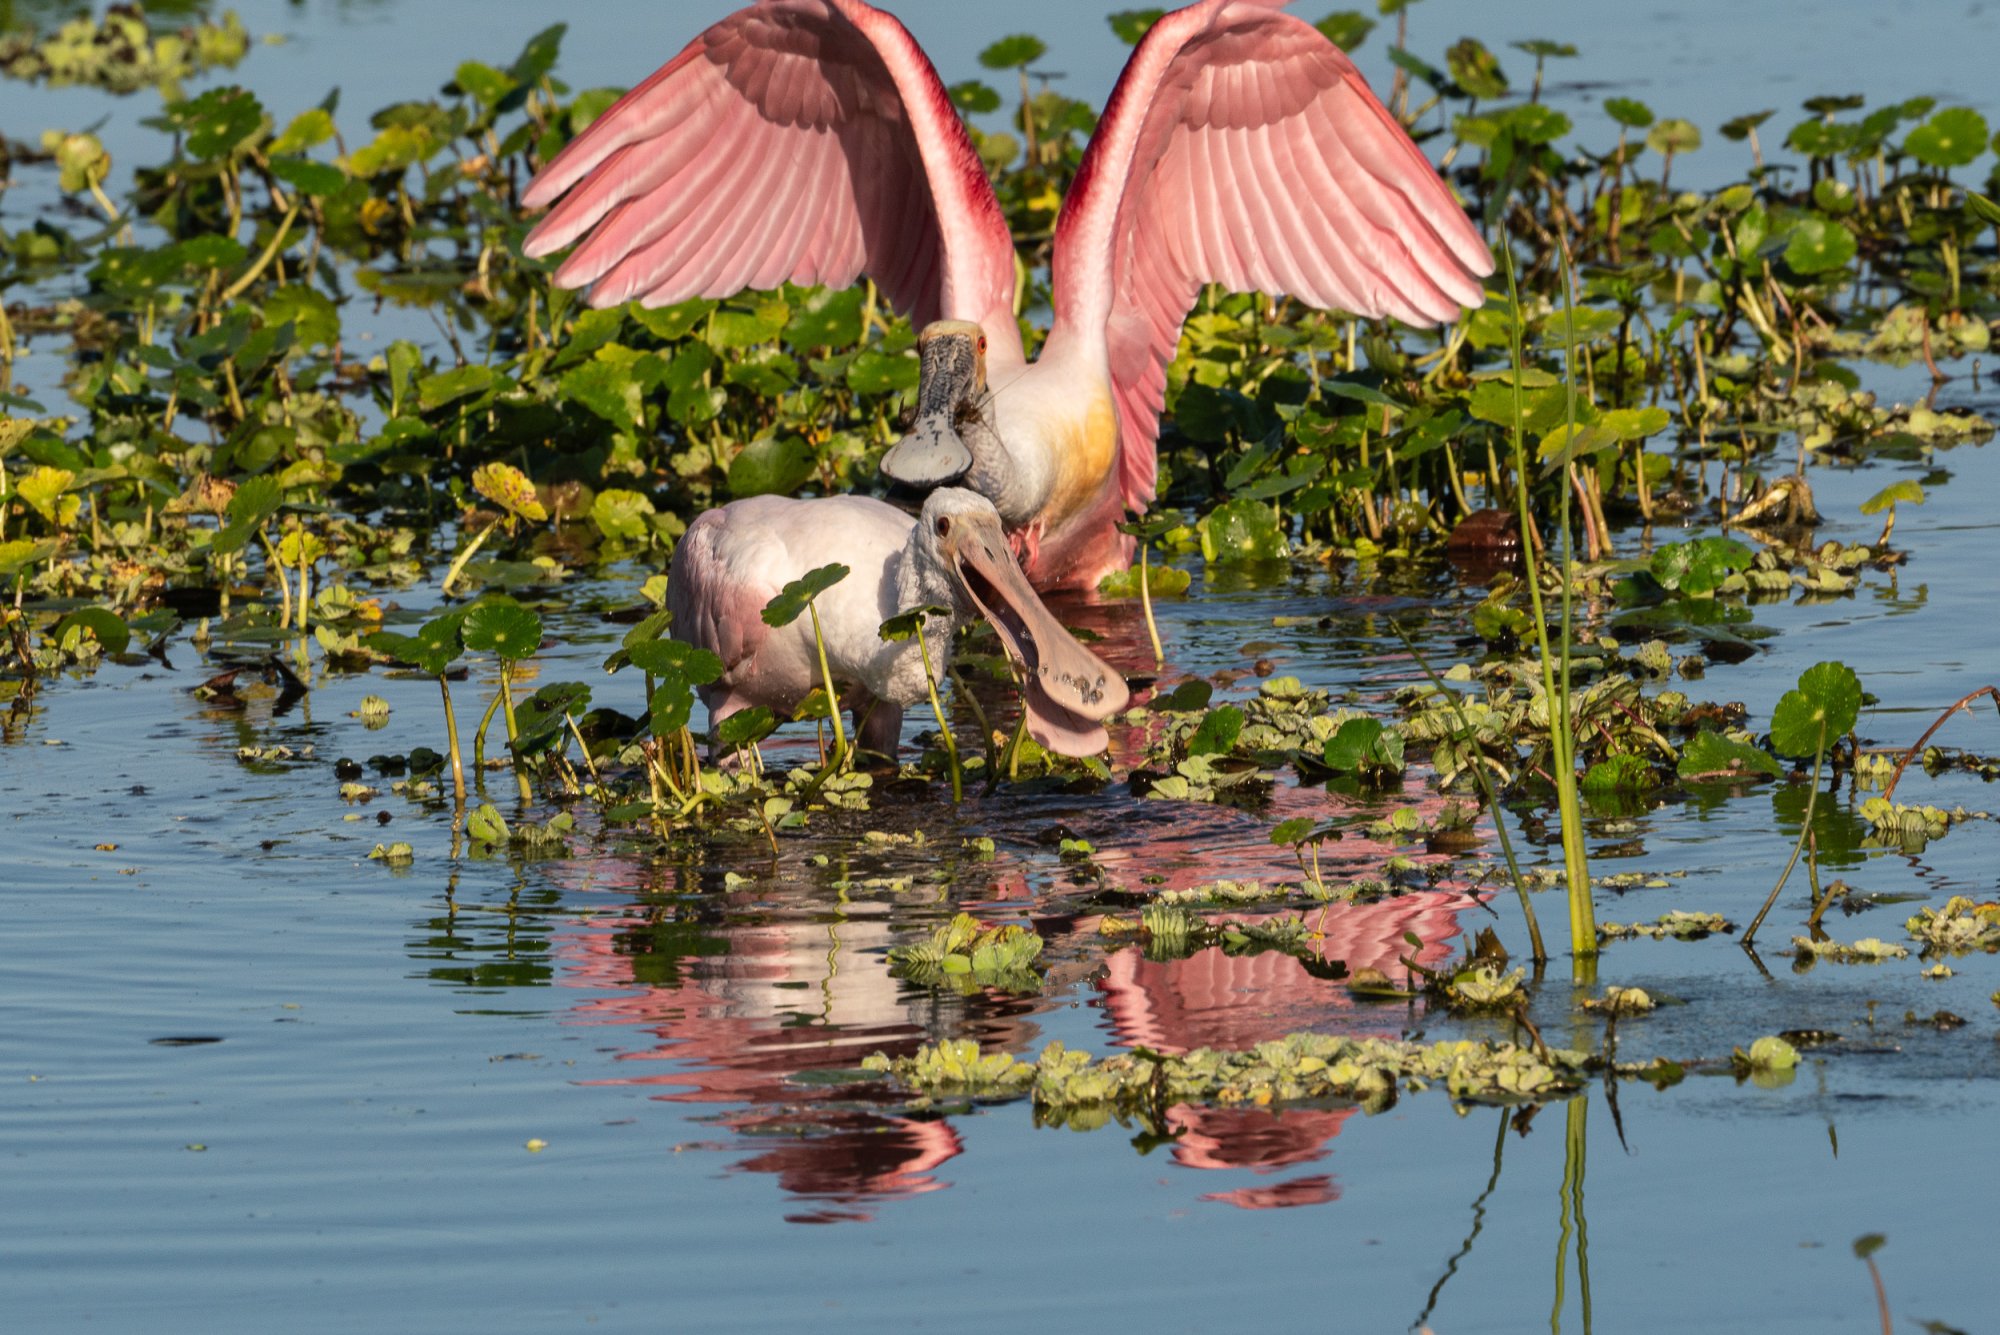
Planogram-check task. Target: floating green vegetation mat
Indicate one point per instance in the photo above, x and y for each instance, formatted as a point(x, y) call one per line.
point(1072, 1088)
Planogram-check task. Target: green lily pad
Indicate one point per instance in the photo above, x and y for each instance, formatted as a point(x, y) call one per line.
point(1218, 732)
point(1713, 756)
point(1954, 137)
point(1823, 706)
point(506, 630)
point(1016, 52)
point(1818, 245)
point(104, 626)
point(791, 601)
point(675, 661)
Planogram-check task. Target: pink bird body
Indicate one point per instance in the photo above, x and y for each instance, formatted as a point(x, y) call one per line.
point(811, 141)
point(735, 559)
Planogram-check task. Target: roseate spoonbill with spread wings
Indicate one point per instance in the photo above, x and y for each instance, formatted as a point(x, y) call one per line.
point(735, 559)
point(811, 141)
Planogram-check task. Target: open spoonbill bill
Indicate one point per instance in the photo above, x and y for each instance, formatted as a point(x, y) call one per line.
point(954, 554)
point(811, 141)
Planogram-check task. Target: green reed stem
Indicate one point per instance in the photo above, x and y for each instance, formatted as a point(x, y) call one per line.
point(1582, 913)
point(1541, 954)
point(1146, 602)
point(944, 726)
point(513, 732)
point(832, 699)
point(1805, 832)
point(451, 737)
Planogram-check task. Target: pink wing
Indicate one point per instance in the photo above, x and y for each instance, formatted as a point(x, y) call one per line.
point(1242, 147)
point(807, 141)
point(718, 585)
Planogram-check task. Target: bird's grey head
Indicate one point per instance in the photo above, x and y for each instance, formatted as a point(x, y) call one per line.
point(951, 355)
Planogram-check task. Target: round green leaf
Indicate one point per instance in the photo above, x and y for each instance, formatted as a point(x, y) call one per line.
point(791, 601)
point(671, 707)
point(1218, 732)
point(1953, 137)
point(506, 630)
point(672, 660)
point(1014, 52)
point(1345, 29)
point(772, 466)
point(974, 98)
point(1818, 245)
point(104, 625)
point(1628, 113)
point(1904, 492)
point(747, 727)
point(1823, 706)
point(1673, 136)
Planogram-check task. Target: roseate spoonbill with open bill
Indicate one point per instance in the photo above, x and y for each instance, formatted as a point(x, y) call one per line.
point(734, 560)
point(811, 141)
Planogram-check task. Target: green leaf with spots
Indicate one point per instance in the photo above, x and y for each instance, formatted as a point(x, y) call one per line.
point(790, 604)
point(1130, 25)
point(1954, 137)
point(1818, 245)
point(829, 319)
point(673, 660)
point(504, 629)
point(1474, 69)
point(975, 99)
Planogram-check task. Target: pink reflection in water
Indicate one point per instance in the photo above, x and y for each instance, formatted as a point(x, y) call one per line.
point(1216, 1000)
point(804, 985)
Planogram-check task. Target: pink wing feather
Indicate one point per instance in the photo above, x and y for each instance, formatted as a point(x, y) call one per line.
point(804, 141)
point(1242, 147)
point(718, 586)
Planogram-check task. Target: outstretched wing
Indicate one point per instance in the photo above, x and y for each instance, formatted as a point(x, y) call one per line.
point(1242, 147)
point(804, 141)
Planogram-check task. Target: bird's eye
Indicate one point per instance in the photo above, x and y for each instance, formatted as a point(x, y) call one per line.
point(982, 342)
point(943, 526)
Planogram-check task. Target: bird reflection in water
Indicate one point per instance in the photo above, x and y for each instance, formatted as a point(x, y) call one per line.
point(778, 982)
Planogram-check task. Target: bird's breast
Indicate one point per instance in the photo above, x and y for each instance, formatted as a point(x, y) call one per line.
point(1082, 444)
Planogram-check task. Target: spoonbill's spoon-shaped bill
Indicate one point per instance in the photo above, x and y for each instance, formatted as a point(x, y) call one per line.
point(811, 141)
